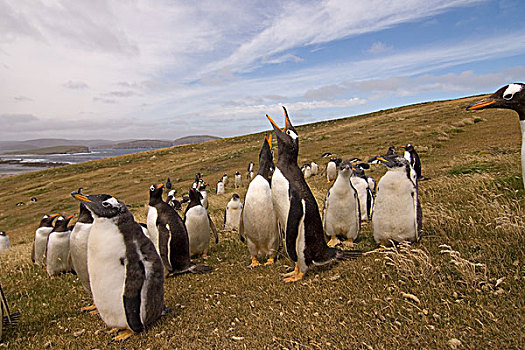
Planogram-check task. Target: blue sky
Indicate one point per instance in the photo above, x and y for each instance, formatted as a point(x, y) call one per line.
point(166, 69)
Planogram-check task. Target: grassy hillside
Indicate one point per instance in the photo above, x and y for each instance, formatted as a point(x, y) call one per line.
point(467, 295)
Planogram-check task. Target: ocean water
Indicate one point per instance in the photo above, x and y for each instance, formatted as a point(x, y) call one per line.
point(13, 169)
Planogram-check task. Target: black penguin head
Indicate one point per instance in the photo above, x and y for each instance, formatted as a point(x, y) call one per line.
point(168, 184)
point(101, 205)
point(225, 175)
point(47, 220)
point(155, 193)
point(408, 147)
point(235, 196)
point(220, 181)
point(394, 161)
point(266, 158)
point(195, 197)
point(391, 150)
point(237, 173)
point(510, 96)
point(2, 233)
point(287, 138)
point(62, 222)
point(202, 186)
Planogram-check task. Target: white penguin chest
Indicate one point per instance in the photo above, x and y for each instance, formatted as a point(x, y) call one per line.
point(151, 222)
point(198, 227)
point(107, 272)
point(280, 196)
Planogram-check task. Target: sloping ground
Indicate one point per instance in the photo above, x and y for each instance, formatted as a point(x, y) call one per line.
point(468, 294)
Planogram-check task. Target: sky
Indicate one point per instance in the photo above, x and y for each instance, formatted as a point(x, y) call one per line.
point(162, 69)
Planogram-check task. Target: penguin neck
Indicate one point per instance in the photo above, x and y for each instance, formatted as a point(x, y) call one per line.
point(264, 167)
point(154, 201)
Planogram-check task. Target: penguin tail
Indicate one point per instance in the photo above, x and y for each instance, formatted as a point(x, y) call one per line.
point(347, 254)
point(198, 269)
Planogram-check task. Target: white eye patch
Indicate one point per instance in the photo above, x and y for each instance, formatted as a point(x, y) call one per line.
point(511, 90)
point(113, 202)
point(292, 134)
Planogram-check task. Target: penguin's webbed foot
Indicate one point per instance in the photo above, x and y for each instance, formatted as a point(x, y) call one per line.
point(349, 243)
point(254, 263)
point(91, 307)
point(205, 256)
point(333, 241)
point(123, 335)
point(270, 261)
point(94, 312)
point(293, 273)
point(297, 277)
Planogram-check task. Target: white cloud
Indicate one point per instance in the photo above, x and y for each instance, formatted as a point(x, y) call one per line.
point(379, 47)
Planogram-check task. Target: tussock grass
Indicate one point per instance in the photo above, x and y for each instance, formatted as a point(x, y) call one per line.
point(461, 286)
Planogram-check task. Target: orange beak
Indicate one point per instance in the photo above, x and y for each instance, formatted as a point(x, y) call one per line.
point(70, 216)
point(269, 139)
point(159, 186)
point(275, 125)
point(54, 215)
point(81, 197)
point(480, 105)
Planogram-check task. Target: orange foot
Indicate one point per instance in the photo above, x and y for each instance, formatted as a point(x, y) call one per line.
point(123, 335)
point(270, 261)
point(293, 273)
point(88, 308)
point(295, 278)
point(254, 263)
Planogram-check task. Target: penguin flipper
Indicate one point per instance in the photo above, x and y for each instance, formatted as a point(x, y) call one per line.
point(135, 278)
point(213, 230)
point(164, 234)
point(33, 258)
point(292, 223)
point(241, 227)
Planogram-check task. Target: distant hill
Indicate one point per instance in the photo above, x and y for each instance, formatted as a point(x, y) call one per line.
point(54, 150)
point(6, 146)
point(194, 139)
point(136, 144)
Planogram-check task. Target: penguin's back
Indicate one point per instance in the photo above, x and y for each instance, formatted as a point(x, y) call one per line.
point(198, 228)
point(57, 253)
point(395, 209)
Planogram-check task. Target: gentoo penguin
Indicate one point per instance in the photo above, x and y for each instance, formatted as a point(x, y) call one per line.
point(314, 168)
point(172, 201)
point(238, 180)
point(232, 214)
point(397, 211)
point(225, 179)
point(371, 183)
point(173, 237)
point(331, 168)
point(391, 150)
point(125, 272)
point(510, 96)
point(57, 256)
point(34, 199)
point(304, 236)
point(259, 223)
point(152, 216)
point(413, 159)
point(341, 216)
point(4, 242)
point(197, 182)
point(307, 171)
point(38, 253)
point(360, 182)
point(220, 187)
point(249, 171)
point(204, 194)
point(78, 246)
point(168, 184)
point(198, 223)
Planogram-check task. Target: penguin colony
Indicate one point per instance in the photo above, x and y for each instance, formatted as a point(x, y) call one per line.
point(122, 264)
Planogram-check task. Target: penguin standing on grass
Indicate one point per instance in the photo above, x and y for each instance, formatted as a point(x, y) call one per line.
point(249, 172)
point(173, 237)
point(199, 224)
point(413, 159)
point(78, 248)
point(220, 187)
point(258, 222)
point(57, 256)
point(331, 169)
point(304, 236)
point(511, 96)
point(397, 212)
point(360, 182)
point(232, 214)
point(38, 252)
point(341, 215)
point(151, 219)
point(238, 180)
point(4, 242)
point(125, 271)
point(314, 168)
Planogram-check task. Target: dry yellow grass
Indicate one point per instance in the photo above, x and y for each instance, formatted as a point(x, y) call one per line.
point(467, 294)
